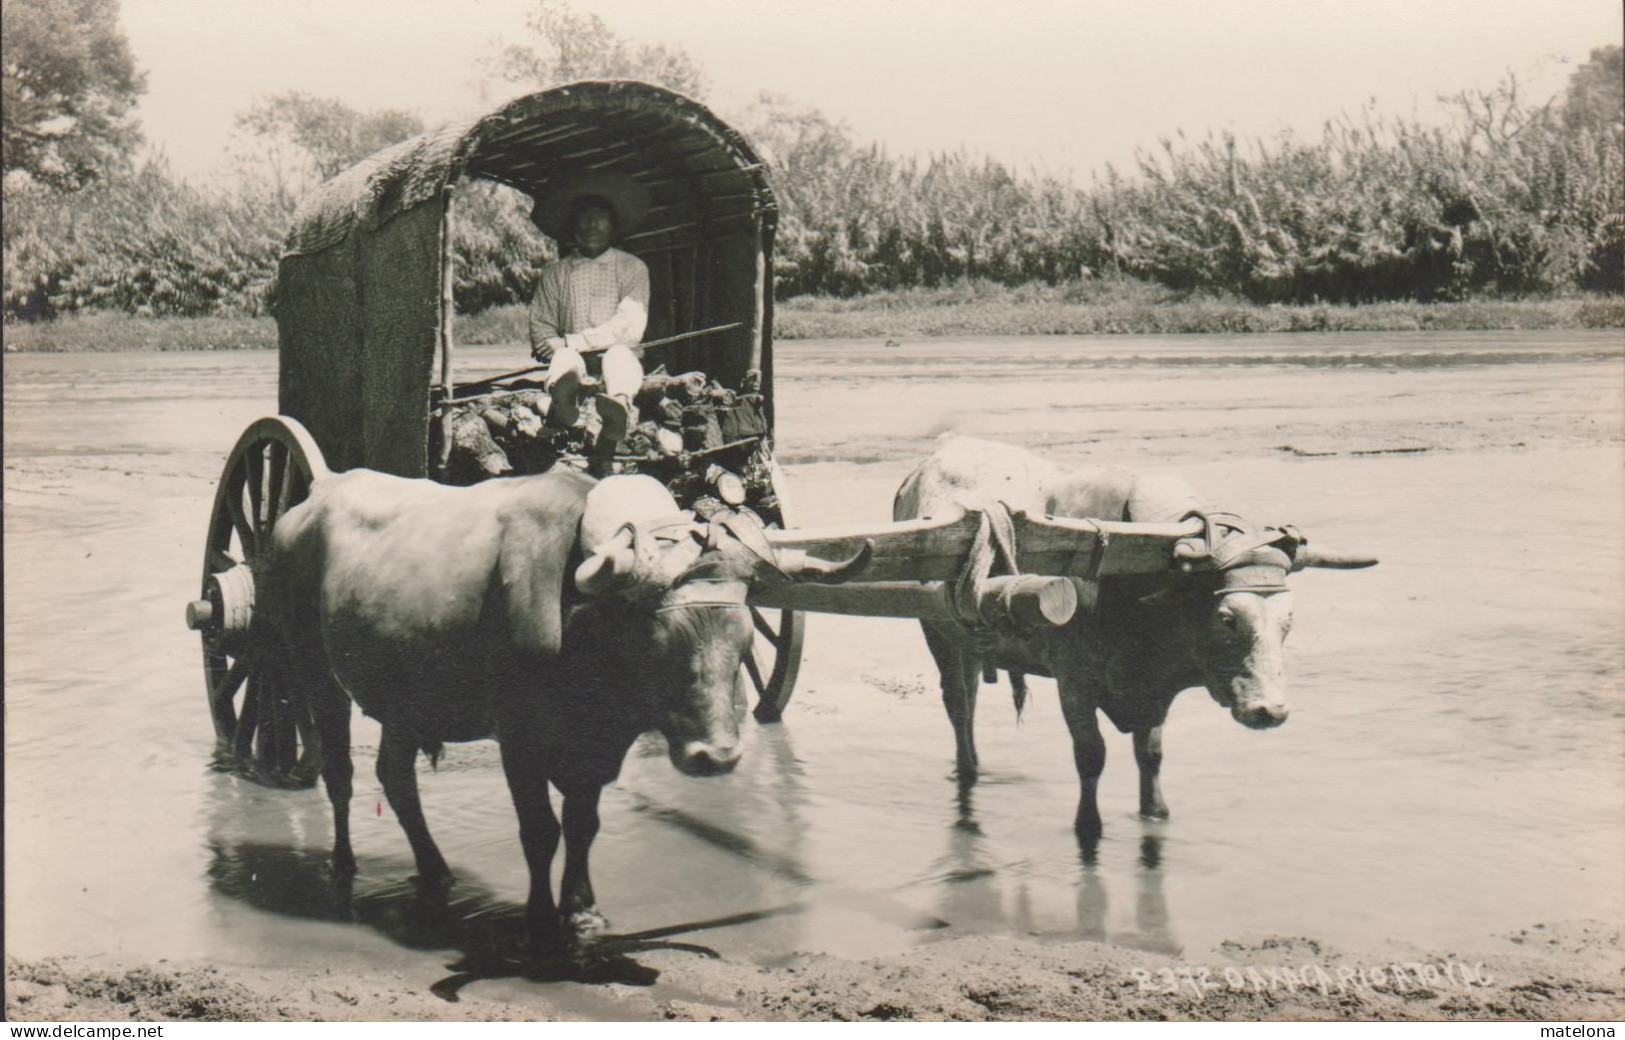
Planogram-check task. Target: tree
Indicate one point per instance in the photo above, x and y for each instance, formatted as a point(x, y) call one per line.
point(301, 140)
point(572, 46)
point(70, 85)
point(1596, 92)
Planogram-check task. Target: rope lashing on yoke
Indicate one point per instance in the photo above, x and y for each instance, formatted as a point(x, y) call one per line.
point(995, 544)
point(1223, 552)
point(710, 535)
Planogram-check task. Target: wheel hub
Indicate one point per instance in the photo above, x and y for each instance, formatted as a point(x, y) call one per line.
point(226, 610)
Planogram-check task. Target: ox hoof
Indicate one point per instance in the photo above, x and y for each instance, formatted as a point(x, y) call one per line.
point(1154, 812)
point(433, 884)
point(586, 923)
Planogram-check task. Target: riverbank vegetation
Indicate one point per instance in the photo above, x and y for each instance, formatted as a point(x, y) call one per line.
point(1080, 308)
point(1506, 200)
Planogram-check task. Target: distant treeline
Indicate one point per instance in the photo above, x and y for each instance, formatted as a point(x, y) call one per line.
point(1504, 198)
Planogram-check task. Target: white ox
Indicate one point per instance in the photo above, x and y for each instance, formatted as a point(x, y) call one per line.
point(451, 614)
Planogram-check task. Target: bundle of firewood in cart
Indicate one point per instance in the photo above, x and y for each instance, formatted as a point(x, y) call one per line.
point(706, 442)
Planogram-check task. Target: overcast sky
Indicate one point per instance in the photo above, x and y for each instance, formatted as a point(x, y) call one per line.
point(1062, 86)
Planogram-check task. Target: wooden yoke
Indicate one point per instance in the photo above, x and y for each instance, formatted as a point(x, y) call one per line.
point(915, 563)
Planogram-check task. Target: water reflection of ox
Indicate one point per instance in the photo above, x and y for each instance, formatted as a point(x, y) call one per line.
point(978, 895)
point(749, 881)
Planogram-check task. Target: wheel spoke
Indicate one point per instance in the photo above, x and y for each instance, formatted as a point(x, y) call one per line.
point(239, 520)
point(765, 627)
point(279, 486)
point(223, 685)
point(231, 682)
point(265, 740)
point(754, 670)
point(220, 560)
point(254, 461)
point(247, 721)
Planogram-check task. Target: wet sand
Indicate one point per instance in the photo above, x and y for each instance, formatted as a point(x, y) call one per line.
point(1443, 455)
point(1548, 973)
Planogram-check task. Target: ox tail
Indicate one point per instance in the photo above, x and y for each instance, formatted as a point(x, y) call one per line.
point(1018, 689)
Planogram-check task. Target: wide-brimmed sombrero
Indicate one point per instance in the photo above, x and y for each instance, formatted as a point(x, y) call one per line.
point(555, 207)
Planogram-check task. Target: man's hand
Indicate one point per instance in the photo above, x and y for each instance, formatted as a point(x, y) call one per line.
point(544, 350)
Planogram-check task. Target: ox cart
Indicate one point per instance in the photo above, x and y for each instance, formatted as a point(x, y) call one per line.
point(369, 377)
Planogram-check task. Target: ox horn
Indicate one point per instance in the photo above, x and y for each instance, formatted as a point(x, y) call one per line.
point(611, 565)
point(1311, 556)
point(798, 564)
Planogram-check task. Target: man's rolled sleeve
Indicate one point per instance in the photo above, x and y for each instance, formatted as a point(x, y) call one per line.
point(545, 323)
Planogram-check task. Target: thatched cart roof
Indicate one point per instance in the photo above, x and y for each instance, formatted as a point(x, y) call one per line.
point(696, 167)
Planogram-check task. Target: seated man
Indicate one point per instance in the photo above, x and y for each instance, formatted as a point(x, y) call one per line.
point(593, 300)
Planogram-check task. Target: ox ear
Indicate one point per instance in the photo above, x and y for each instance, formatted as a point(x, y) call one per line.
point(611, 566)
point(1313, 556)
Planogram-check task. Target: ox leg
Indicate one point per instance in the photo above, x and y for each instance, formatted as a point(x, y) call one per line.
point(1088, 753)
point(577, 903)
point(961, 673)
point(397, 771)
point(538, 836)
point(330, 707)
point(1148, 756)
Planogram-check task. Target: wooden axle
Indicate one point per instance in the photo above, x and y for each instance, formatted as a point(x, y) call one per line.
point(1024, 599)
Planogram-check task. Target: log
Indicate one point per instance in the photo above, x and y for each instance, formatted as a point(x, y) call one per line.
point(1028, 600)
point(497, 421)
point(526, 423)
point(670, 442)
point(472, 445)
point(685, 389)
point(727, 486)
point(662, 384)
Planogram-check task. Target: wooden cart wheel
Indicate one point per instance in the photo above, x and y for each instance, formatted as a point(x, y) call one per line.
point(267, 733)
point(775, 659)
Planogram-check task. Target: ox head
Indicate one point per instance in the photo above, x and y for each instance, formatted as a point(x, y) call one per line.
point(682, 585)
point(1238, 610)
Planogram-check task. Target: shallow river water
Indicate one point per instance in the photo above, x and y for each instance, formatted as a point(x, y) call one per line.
point(1454, 766)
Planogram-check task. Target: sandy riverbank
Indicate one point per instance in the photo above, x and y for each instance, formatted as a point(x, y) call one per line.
point(1560, 972)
